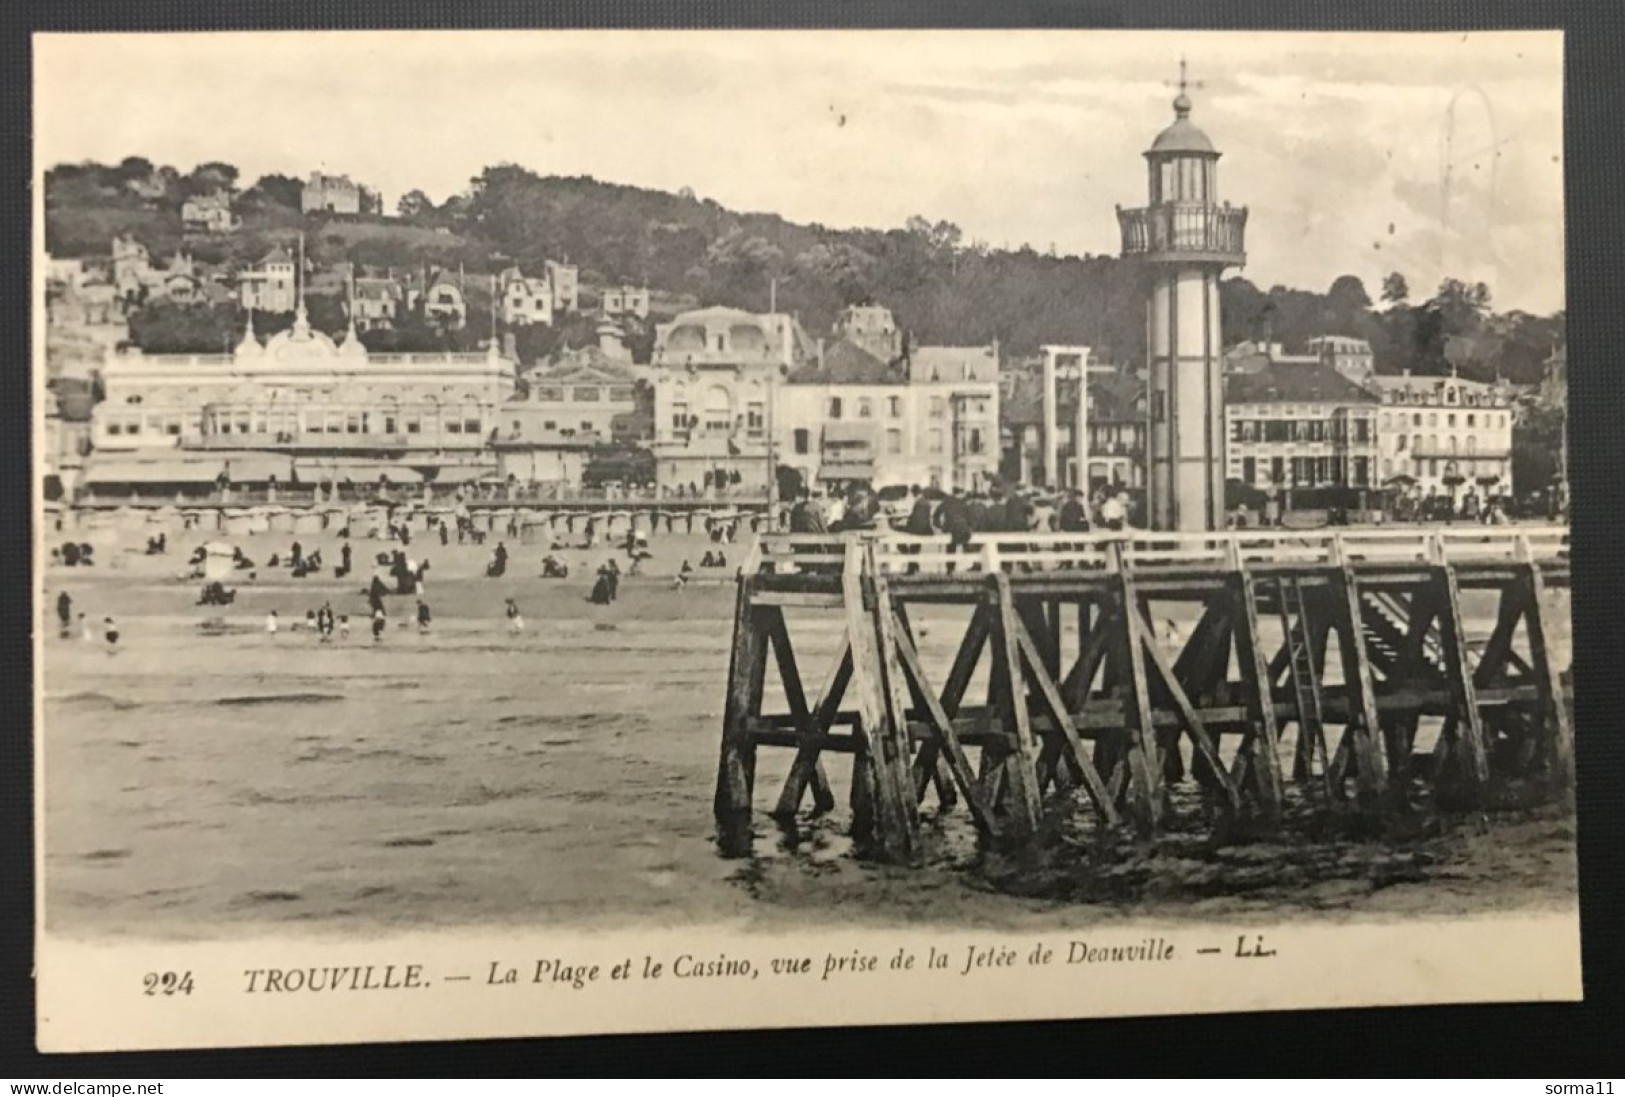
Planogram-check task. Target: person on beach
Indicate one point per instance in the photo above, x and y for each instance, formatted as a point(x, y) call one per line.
point(271, 623)
point(324, 621)
point(344, 626)
point(111, 631)
point(64, 614)
point(516, 620)
point(682, 576)
point(423, 616)
point(378, 624)
point(84, 629)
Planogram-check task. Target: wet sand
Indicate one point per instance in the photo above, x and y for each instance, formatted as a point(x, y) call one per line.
point(209, 779)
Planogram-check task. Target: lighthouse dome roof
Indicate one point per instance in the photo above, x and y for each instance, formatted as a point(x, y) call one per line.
point(1182, 136)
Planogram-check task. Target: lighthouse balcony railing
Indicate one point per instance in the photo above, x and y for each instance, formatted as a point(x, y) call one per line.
point(1185, 231)
point(894, 553)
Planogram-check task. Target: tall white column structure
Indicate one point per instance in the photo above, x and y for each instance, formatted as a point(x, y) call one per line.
point(1188, 239)
point(1066, 367)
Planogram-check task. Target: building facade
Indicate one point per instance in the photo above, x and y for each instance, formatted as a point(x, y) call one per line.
point(1295, 426)
point(872, 327)
point(621, 301)
point(1347, 355)
point(850, 416)
point(1115, 421)
point(959, 387)
point(208, 213)
point(271, 285)
point(565, 282)
point(313, 407)
point(524, 300)
point(715, 372)
point(330, 194)
point(1448, 434)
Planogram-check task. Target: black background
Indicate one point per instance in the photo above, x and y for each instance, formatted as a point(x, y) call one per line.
point(1544, 1041)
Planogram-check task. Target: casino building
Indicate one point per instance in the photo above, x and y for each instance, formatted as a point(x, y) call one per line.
point(297, 409)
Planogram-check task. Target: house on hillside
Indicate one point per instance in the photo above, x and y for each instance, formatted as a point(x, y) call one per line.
point(376, 304)
point(565, 282)
point(524, 301)
point(270, 285)
point(209, 213)
point(873, 328)
point(621, 301)
point(330, 194)
point(440, 297)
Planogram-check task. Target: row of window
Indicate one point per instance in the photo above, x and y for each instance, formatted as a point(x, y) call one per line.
point(1309, 471)
point(583, 394)
point(1452, 395)
point(1435, 467)
point(1431, 443)
point(1301, 430)
point(971, 442)
point(1491, 420)
point(863, 407)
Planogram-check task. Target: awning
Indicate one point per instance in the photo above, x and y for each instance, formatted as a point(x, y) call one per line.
point(258, 468)
point(317, 470)
point(461, 474)
point(846, 470)
point(161, 471)
point(850, 434)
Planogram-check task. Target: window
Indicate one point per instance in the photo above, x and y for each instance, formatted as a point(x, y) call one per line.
point(679, 416)
point(975, 440)
point(894, 441)
point(551, 424)
point(1416, 419)
point(585, 394)
point(834, 407)
point(894, 406)
point(1471, 419)
point(454, 426)
point(1400, 445)
point(586, 426)
point(550, 393)
point(1433, 418)
point(718, 409)
point(866, 408)
point(1249, 469)
point(754, 416)
point(413, 425)
point(802, 440)
point(933, 438)
point(1277, 469)
point(621, 394)
point(1450, 420)
point(938, 407)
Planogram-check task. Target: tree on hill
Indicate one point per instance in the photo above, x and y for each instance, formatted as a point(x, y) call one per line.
point(1395, 290)
point(279, 190)
point(415, 206)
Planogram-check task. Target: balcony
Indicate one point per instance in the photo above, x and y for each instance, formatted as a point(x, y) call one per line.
point(1185, 233)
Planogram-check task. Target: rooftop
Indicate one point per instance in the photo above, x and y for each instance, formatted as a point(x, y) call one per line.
point(1294, 383)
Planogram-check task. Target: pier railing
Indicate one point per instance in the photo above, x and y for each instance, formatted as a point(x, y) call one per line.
point(1138, 550)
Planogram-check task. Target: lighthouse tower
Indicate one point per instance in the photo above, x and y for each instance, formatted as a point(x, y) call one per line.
point(1187, 238)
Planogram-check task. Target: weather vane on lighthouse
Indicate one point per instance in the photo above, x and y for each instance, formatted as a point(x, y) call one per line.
point(1183, 102)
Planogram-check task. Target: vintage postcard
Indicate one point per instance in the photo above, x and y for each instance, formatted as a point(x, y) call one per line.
point(622, 531)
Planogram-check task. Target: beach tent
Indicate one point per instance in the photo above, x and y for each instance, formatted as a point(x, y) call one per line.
point(218, 560)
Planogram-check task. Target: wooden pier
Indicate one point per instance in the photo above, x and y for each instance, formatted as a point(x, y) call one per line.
point(1312, 663)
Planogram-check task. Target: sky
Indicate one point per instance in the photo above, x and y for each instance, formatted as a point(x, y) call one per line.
point(1431, 154)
